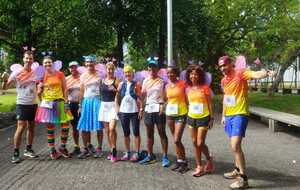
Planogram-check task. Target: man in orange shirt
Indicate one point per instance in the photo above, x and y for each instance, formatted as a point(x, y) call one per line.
point(235, 113)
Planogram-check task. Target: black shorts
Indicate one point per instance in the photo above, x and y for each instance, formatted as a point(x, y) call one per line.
point(74, 106)
point(25, 112)
point(201, 122)
point(125, 119)
point(154, 118)
point(177, 119)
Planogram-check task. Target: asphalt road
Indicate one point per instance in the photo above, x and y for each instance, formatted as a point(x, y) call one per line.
point(273, 162)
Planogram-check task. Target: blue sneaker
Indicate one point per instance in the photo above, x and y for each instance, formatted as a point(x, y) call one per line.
point(165, 161)
point(150, 159)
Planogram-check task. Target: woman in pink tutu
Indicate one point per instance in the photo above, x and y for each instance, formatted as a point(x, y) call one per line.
point(53, 109)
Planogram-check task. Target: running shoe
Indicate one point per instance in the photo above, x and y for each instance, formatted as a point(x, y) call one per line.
point(232, 175)
point(209, 166)
point(240, 183)
point(126, 156)
point(199, 171)
point(108, 156)
point(64, 152)
point(150, 159)
point(30, 153)
point(84, 154)
point(76, 151)
point(165, 161)
point(175, 166)
point(183, 167)
point(135, 157)
point(98, 153)
point(91, 149)
point(15, 159)
point(114, 159)
point(54, 155)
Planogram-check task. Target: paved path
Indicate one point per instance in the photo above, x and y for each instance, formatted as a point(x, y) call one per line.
point(273, 161)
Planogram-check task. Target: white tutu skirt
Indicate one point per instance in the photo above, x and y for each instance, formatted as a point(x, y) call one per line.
point(107, 112)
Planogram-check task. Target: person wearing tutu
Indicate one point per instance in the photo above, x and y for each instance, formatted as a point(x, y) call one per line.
point(53, 109)
point(89, 108)
point(107, 114)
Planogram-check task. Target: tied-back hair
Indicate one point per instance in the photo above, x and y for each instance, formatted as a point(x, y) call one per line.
point(199, 72)
point(110, 65)
point(175, 70)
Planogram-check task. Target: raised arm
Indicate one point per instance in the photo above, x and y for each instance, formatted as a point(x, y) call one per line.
point(262, 74)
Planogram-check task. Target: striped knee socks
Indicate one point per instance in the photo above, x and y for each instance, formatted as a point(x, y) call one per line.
point(64, 134)
point(51, 137)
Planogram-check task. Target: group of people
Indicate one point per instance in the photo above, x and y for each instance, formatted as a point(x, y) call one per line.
point(89, 104)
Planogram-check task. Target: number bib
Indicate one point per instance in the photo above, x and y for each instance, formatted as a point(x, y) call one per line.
point(196, 108)
point(46, 104)
point(128, 105)
point(26, 91)
point(172, 109)
point(152, 108)
point(92, 90)
point(230, 100)
point(74, 94)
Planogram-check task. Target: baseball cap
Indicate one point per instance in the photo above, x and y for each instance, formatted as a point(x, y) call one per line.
point(73, 63)
point(224, 60)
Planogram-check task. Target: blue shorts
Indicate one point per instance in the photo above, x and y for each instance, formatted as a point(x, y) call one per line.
point(236, 125)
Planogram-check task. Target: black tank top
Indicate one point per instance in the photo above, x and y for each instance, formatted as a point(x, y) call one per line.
point(107, 94)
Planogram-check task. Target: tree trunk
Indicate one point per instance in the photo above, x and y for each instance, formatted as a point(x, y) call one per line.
point(283, 67)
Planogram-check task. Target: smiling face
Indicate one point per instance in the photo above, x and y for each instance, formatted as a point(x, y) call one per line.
point(28, 59)
point(73, 70)
point(47, 63)
point(226, 68)
point(110, 70)
point(153, 71)
point(172, 75)
point(194, 77)
point(90, 66)
point(128, 75)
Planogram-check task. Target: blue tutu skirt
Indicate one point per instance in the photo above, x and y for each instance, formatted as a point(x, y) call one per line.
point(89, 115)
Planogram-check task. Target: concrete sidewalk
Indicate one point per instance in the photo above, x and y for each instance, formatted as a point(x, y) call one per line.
point(273, 162)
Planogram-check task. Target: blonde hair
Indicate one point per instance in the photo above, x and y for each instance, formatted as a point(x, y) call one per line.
point(128, 68)
point(110, 65)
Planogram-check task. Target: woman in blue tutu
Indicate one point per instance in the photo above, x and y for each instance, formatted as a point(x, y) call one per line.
point(89, 108)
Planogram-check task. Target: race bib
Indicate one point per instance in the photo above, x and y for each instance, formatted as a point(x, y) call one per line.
point(128, 105)
point(106, 107)
point(74, 94)
point(46, 104)
point(172, 109)
point(196, 108)
point(152, 108)
point(92, 90)
point(229, 100)
point(26, 91)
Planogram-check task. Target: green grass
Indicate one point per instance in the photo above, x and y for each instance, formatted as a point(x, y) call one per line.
point(8, 101)
point(288, 103)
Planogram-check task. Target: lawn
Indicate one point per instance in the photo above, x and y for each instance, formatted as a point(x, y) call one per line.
point(8, 101)
point(280, 102)
point(288, 103)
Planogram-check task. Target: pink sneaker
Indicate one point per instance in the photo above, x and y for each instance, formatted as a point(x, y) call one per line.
point(134, 157)
point(125, 157)
point(109, 156)
point(113, 159)
point(209, 167)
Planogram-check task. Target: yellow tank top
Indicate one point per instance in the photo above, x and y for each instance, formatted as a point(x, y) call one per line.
point(53, 87)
